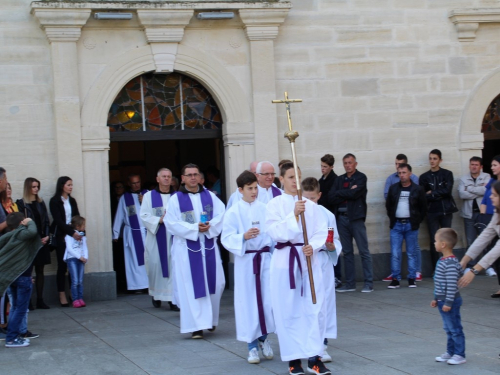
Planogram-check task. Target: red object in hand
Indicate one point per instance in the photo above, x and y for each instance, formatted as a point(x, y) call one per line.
point(329, 238)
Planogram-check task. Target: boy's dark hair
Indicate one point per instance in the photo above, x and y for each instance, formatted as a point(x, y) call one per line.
point(14, 220)
point(402, 157)
point(77, 221)
point(436, 152)
point(349, 155)
point(189, 165)
point(404, 165)
point(246, 178)
point(476, 158)
point(447, 235)
point(328, 159)
point(310, 184)
point(284, 161)
point(285, 167)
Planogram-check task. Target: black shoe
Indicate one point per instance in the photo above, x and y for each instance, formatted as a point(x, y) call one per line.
point(495, 295)
point(29, 335)
point(317, 368)
point(64, 304)
point(295, 367)
point(212, 329)
point(173, 307)
point(394, 284)
point(41, 305)
point(156, 302)
point(197, 335)
point(411, 283)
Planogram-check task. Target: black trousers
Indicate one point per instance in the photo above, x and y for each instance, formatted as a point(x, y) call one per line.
point(61, 265)
point(435, 221)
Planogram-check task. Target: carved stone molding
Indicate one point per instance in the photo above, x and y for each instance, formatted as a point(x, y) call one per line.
point(262, 24)
point(238, 139)
point(164, 26)
point(62, 25)
point(467, 21)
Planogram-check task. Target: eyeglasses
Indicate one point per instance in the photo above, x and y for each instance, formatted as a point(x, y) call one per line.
point(268, 174)
point(191, 175)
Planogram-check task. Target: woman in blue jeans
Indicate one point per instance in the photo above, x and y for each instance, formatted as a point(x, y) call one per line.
point(76, 256)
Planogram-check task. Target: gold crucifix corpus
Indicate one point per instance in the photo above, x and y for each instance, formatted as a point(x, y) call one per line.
point(291, 135)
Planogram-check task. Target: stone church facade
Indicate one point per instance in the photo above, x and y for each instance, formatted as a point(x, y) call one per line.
point(377, 77)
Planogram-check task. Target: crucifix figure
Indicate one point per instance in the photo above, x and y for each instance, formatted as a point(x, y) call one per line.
point(291, 135)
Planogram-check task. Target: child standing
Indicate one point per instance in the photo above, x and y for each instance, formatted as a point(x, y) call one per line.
point(243, 235)
point(18, 249)
point(328, 257)
point(76, 256)
point(447, 297)
point(300, 324)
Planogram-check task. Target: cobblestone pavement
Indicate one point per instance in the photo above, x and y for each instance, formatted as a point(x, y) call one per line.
point(384, 332)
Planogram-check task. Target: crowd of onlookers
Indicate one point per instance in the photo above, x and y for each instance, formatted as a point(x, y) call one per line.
point(27, 239)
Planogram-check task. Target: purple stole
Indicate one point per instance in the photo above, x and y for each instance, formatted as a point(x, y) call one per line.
point(294, 255)
point(161, 233)
point(194, 247)
point(276, 191)
point(257, 260)
point(136, 228)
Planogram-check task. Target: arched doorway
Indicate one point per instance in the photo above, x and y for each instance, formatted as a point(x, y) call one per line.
point(491, 131)
point(163, 120)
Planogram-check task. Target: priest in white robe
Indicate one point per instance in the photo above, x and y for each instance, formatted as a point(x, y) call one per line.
point(157, 256)
point(328, 256)
point(300, 324)
point(265, 175)
point(198, 272)
point(243, 236)
point(134, 234)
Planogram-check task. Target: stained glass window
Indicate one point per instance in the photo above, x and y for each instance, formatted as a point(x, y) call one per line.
point(163, 102)
point(491, 120)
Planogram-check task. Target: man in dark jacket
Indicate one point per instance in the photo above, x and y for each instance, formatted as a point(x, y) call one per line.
point(406, 207)
point(348, 198)
point(438, 186)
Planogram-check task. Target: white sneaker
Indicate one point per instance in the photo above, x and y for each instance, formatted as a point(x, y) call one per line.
point(491, 272)
point(267, 351)
point(456, 360)
point(443, 357)
point(253, 356)
point(326, 357)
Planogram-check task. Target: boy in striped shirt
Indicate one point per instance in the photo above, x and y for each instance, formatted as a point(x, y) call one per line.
point(447, 297)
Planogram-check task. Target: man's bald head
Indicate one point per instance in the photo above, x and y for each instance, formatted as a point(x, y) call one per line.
point(253, 166)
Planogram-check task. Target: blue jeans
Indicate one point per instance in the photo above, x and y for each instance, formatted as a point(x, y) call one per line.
point(21, 294)
point(76, 268)
point(23, 327)
point(452, 325)
point(349, 230)
point(399, 233)
point(255, 343)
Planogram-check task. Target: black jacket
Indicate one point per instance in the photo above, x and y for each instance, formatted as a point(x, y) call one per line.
point(56, 206)
point(356, 198)
point(440, 183)
point(27, 209)
point(418, 204)
point(325, 185)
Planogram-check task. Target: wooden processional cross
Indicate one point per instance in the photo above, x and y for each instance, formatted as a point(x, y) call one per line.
point(291, 135)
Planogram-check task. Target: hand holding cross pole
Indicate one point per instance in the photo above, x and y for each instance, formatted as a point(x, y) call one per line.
point(291, 135)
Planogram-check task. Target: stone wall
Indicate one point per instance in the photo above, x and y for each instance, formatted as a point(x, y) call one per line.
point(379, 78)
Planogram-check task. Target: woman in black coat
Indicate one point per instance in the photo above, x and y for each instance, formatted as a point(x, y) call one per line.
point(32, 206)
point(63, 207)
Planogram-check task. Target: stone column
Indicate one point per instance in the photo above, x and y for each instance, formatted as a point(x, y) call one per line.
point(164, 31)
point(261, 26)
point(63, 29)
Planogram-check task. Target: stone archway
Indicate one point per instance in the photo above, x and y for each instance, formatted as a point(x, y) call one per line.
point(471, 139)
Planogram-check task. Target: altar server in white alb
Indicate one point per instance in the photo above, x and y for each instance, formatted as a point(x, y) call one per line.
point(198, 273)
point(300, 324)
point(243, 235)
point(134, 234)
point(157, 256)
point(236, 196)
point(328, 256)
